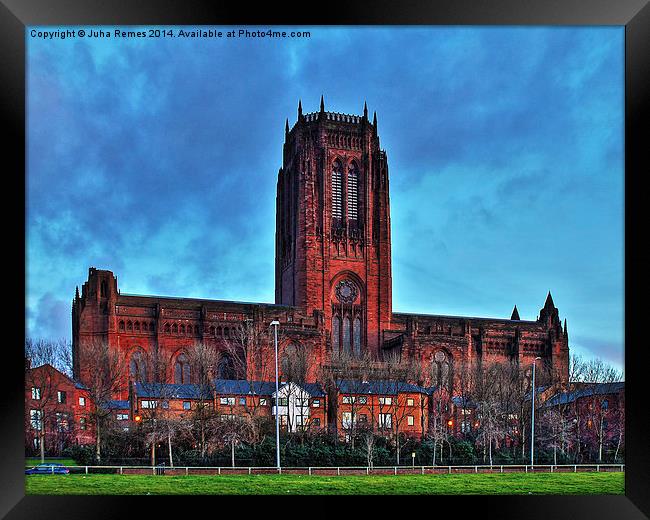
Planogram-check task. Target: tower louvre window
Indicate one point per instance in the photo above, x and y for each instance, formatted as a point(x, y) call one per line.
point(337, 174)
point(353, 192)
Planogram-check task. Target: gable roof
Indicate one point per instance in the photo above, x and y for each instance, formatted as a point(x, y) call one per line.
point(586, 391)
point(172, 391)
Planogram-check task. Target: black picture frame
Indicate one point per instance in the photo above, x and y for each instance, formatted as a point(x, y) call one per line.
point(633, 14)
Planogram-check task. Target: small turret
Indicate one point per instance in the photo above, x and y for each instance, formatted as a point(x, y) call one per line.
point(515, 314)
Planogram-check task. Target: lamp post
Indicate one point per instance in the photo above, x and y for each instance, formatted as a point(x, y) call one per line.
point(532, 417)
point(275, 324)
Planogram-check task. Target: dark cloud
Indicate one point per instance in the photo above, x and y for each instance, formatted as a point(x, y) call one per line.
point(158, 159)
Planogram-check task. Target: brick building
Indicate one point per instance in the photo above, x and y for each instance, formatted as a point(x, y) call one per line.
point(332, 283)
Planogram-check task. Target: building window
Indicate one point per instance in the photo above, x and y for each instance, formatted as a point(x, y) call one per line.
point(363, 400)
point(122, 416)
point(121, 325)
point(346, 336)
point(385, 421)
point(336, 331)
point(348, 399)
point(386, 400)
point(353, 192)
point(284, 419)
point(149, 404)
point(60, 396)
point(337, 174)
point(62, 424)
point(346, 421)
point(283, 401)
point(36, 393)
point(227, 401)
point(182, 369)
point(605, 404)
point(137, 367)
point(35, 419)
point(315, 403)
point(410, 401)
point(82, 423)
point(441, 370)
point(187, 405)
point(316, 421)
point(363, 418)
point(410, 420)
point(263, 401)
point(165, 405)
point(356, 336)
point(242, 401)
point(82, 401)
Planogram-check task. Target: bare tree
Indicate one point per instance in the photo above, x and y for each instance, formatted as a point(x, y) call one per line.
point(103, 376)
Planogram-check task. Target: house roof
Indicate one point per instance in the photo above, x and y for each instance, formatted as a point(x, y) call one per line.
point(350, 386)
point(222, 387)
point(586, 391)
point(117, 405)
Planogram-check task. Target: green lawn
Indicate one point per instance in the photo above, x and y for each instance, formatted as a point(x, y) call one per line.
point(488, 484)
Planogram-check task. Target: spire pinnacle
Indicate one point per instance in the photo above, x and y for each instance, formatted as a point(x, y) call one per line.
point(374, 122)
point(299, 109)
point(515, 314)
point(76, 292)
point(286, 127)
point(322, 103)
point(365, 110)
point(549, 301)
point(566, 331)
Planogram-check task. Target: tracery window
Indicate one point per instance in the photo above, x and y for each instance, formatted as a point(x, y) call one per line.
point(441, 370)
point(356, 336)
point(137, 367)
point(337, 181)
point(346, 336)
point(182, 369)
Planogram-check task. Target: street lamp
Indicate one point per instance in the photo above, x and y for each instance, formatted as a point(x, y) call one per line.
point(532, 419)
point(275, 324)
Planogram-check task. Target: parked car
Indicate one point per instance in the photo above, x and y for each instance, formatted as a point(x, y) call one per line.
point(49, 468)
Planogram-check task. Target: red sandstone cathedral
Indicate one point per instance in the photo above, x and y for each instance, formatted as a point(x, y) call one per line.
point(332, 280)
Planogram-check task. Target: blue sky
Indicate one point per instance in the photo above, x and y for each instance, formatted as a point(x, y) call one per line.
point(157, 159)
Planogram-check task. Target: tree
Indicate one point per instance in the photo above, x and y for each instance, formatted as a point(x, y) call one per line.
point(103, 376)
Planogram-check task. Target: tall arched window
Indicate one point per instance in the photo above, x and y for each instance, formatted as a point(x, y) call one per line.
point(441, 370)
point(337, 182)
point(138, 367)
point(225, 367)
point(347, 348)
point(182, 370)
point(356, 336)
point(336, 331)
point(353, 192)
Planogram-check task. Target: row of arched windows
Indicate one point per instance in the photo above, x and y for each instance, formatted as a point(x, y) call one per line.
point(136, 326)
point(348, 184)
point(182, 369)
point(175, 328)
point(225, 332)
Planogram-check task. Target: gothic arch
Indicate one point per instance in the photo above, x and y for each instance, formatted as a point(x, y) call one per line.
point(182, 371)
point(138, 365)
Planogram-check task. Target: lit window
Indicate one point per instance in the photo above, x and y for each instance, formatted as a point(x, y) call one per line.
point(347, 399)
point(315, 403)
point(122, 416)
point(263, 401)
point(347, 420)
point(242, 401)
point(60, 396)
point(82, 401)
point(149, 404)
point(36, 393)
point(363, 400)
point(410, 420)
point(386, 400)
point(385, 420)
point(410, 401)
point(187, 405)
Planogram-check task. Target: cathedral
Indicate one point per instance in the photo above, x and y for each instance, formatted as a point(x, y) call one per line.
point(332, 281)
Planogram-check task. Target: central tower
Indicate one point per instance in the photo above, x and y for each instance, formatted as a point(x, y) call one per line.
point(332, 240)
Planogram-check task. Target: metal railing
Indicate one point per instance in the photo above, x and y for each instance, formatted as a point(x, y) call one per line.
point(162, 469)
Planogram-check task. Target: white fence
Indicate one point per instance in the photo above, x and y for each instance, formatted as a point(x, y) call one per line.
point(342, 470)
